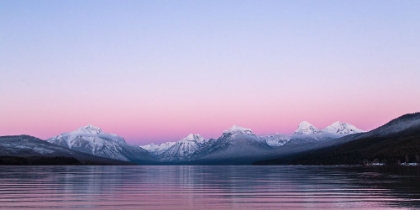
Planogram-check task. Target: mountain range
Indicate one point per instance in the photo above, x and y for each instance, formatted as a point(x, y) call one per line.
point(395, 142)
point(238, 141)
point(92, 140)
point(236, 145)
point(32, 150)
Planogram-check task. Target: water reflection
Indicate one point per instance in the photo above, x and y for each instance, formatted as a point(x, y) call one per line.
point(207, 187)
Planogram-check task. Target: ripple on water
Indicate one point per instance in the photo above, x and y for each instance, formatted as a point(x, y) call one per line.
point(205, 187)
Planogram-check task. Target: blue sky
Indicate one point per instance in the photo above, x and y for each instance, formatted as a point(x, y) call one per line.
point(158, 70)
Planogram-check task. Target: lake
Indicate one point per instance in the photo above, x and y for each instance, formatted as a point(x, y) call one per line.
point(208, 187)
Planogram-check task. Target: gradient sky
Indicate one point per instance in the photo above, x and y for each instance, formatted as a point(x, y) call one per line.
point(155, 71)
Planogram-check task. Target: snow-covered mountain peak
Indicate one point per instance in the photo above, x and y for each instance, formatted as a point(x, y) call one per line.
point(306, 128)
point(305, 124)
point(158, 149)
point(194, 137)
point(92, 140)
point(236, 129)
point(342, 128)
point(91, 133)
point(88, 129)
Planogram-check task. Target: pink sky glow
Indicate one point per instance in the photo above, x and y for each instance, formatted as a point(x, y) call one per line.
point(154, 72)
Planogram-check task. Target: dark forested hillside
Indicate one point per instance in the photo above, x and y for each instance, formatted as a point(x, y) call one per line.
point(14, 160)
point(394, 142)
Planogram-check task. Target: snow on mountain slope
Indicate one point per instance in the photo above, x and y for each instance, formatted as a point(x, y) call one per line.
point(183, 149)
point(92, 140)
point(391, 142)
point(89, 129)
point(306, 132)
point(238, 130)
point(306, 129)
point(402, 123)
point(235, 143)
point(157, 149)
point(341, 128)
point(195, 146)
point(236, 133)
point(193, 138)
point(27, 146)
point(276, 140)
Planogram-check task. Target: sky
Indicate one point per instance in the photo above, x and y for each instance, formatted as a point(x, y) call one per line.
point(155, 71)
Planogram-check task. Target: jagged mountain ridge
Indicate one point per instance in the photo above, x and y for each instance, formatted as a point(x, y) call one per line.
point(236, 145)
point(394, 142)
point(92, 140)
point(29, 146)
point(276, 140)
point(306, 132)
point(342, 129)
point(306, 128)
point(157, 149)
point(183, 149)
point(239, 142)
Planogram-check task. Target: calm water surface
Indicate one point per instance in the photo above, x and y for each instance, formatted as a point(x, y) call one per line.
point(208, 187)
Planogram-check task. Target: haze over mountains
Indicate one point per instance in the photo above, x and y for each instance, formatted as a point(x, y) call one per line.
point(236, 145)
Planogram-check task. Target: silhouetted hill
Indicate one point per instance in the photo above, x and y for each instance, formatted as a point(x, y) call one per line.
point(396, 141)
